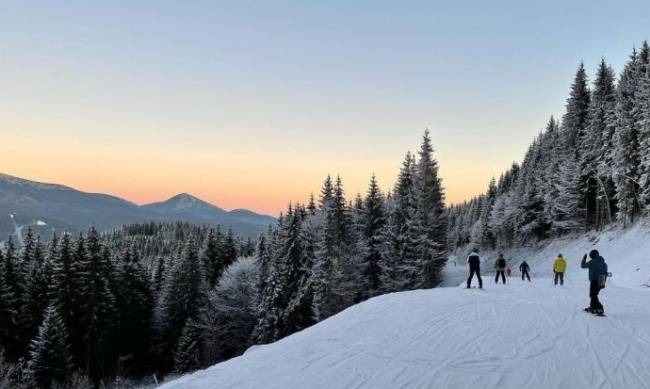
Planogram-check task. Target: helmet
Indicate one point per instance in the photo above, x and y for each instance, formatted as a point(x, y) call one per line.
point(593, 254)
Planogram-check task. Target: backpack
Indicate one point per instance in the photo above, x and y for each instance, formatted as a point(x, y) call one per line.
point(602, 280)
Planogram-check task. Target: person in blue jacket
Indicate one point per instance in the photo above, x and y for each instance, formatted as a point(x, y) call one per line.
point(597, 277)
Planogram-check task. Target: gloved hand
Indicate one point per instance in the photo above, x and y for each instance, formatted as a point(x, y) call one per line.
point(584, 258)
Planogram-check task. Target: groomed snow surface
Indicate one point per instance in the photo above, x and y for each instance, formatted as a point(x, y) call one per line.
point(521, 335)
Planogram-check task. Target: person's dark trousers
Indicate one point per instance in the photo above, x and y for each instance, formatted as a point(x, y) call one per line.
point(559, 276)
point(594, 289)
point(524, 273)
point(471, 276)
point(503, 276)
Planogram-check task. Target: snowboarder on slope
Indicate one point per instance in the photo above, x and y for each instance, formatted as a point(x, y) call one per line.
point(559, 267)
point(597, 278)
point(474, 262)
point(500, 266)
point(524, 268)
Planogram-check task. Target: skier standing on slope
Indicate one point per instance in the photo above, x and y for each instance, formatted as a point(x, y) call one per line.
point(524, 268)
point(474, 268)
point(500, 266)
point(559, 267)
point(597, 278)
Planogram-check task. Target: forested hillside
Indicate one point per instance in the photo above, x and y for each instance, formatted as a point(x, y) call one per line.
point(150, 300)
point(587, 170)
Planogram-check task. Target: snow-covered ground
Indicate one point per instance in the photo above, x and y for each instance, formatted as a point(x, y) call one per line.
point(521, 335)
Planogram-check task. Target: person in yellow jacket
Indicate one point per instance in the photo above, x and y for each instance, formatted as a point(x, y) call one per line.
point(559, 267)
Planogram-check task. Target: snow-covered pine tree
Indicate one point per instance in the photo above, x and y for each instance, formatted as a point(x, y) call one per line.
point(531, 222)
point(552, 158)
point(626, 157)
point(402, 267)
point(641, 114)
point(576, 117)
point(372, 223)
point(563, 198)
point(430, 212)
point(37, 283)
point(263, 255)
point(229, 250)
point(64, 293)
point(566, 209)
point(189, 349)
point(135, 308)
point(97, 310)
point(50, 361)
point(158, 277)
point(326, 193)
point(346, 275)
point(8, 313)
point(311, 205)
point(297, 314)
point(183, 297)
point(270, 302)
point(482, 234)
point(287, 305)
point(322, 271)
point(12, 289)
point(595, 149)
point(211, 256)
point(334, 274)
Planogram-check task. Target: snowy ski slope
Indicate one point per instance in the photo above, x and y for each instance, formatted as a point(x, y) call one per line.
point(522, 335)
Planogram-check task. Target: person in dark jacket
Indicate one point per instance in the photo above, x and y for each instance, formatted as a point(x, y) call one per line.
point(597, 277)
point(524, 268)
point(474, 262)
point(500, 267)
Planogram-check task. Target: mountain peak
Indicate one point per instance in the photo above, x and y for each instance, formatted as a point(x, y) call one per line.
point(185, 197)
point(183, 202)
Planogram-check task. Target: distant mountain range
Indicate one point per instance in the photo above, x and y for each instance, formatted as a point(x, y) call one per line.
point(50, 206)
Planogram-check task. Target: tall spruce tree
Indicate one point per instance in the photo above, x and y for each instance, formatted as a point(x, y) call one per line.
point(63, 293)
point(36, 287)
point(402, 267)
point(595, 148)
point(430, 213)
point(183, 298)
point(641, 114)
point(8, 312)
point(212, 259)
point(135, 308)
point(626, 157)
point(576, 118)
point(50, 362)
point(373, 221)
point(97, 312)
point(13, 296)
point(189, 351)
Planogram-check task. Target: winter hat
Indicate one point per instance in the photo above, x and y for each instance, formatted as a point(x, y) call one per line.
point(593, 254)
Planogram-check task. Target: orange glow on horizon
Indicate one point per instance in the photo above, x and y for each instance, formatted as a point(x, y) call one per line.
point(262, 181)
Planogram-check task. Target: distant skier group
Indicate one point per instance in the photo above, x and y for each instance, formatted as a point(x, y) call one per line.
point(597, 274)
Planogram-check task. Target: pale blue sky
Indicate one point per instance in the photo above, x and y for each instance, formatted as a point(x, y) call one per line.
point(289, 90)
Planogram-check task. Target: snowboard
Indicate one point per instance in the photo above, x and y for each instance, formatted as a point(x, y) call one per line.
point(589, 310)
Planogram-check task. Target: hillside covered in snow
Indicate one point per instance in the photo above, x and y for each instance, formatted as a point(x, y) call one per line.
point(531, 335)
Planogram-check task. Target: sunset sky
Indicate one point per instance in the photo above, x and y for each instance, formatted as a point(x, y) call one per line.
point(250, 104)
